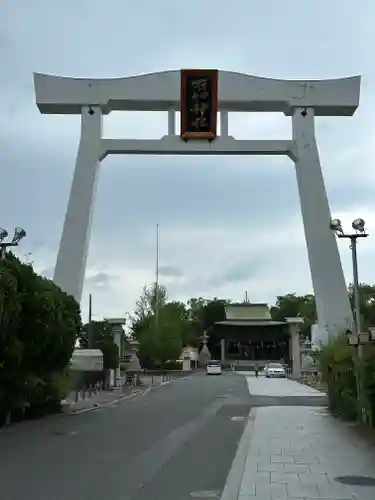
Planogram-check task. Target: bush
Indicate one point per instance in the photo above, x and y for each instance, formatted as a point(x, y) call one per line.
point(38, 328)
point(368, 381)
point(342, 371)
point(338, 372)
point(172, 365)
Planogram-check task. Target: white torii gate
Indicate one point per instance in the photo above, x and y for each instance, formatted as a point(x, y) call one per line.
point(302, 100)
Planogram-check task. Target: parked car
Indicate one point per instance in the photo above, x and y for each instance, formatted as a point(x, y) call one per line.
point(275, 370)
point(213, 368)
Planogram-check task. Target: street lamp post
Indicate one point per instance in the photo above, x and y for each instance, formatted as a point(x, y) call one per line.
point(19, 233)
point(360, 232)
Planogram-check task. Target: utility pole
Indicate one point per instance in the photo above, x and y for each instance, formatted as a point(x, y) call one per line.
point(90, 332)
point(157, 281)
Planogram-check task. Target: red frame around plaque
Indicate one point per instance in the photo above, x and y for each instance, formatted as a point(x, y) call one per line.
point(212, 74)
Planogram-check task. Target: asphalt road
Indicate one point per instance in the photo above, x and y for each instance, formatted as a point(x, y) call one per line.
point(175, 443)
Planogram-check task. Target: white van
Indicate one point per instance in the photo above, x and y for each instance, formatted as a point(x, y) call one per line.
point(213, 368)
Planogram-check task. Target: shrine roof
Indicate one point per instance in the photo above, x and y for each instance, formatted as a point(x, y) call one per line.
point(239, 322)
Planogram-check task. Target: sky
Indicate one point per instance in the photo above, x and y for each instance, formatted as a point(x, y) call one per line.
point(227, 224)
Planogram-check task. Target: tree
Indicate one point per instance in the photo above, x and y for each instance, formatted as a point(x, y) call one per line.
point(292, 305)
point(214, 311)
point(102, 335)
point(100, 330)
point(179, 314)
point(39, 324)
point(165, 342)
point(196, 307)
point(146, 304)
point(367, 303)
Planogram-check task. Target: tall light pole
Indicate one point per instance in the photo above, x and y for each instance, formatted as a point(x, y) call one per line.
point(360, 232)
point(157, 281)
point(90, 339)
point(18, 234)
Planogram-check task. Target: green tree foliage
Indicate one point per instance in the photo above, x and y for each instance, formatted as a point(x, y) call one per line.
point(292, 305)
point(367, 303)
point(213, 312)
point(346, 376)
point(178, 325)
point(338, 371)
point(102, 336)
point(38, 328)
point(163, 340)
point(146, 304)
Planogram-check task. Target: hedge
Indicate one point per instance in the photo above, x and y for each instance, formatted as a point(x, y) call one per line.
point(39, 324)
point(342, 372)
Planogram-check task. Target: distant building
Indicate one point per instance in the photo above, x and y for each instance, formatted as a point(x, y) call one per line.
point(248, 333)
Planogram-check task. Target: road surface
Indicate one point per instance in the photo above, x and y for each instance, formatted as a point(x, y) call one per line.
point(175, 443)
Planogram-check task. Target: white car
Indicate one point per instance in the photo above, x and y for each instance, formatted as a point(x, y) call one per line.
point(275, 370)
point(213, 368)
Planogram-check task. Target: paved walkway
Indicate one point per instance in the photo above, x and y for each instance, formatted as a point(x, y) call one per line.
point(263, 386)
point(298, 453)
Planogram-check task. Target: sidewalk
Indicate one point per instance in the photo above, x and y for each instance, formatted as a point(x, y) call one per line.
point(107, 397)
point(103, 398)
point(299, 452)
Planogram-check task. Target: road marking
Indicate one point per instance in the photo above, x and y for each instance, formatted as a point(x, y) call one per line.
point(238, 419)
point(146, 391)
point(104, 405)
point(234, 479)
point(205, 494)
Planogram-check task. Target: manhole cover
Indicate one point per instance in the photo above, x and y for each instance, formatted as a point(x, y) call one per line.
point(356, 480)
point(205, 494)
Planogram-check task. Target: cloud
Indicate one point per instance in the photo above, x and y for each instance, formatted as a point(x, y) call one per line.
point(99, 280)
point(226, 223)
point(171, 271)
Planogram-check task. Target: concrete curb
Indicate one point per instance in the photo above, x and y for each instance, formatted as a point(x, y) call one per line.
point(123, 398)
point(104, 405)
point(234, 479)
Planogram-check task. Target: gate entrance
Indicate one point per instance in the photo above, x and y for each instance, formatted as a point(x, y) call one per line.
point(201, 95)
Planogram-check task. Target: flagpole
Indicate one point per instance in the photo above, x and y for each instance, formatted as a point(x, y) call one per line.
point(90, 332)
point(157, 281)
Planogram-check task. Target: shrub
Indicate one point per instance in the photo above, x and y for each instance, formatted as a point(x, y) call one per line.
point(338, 372)
point(172, 365)
point(39, 324)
